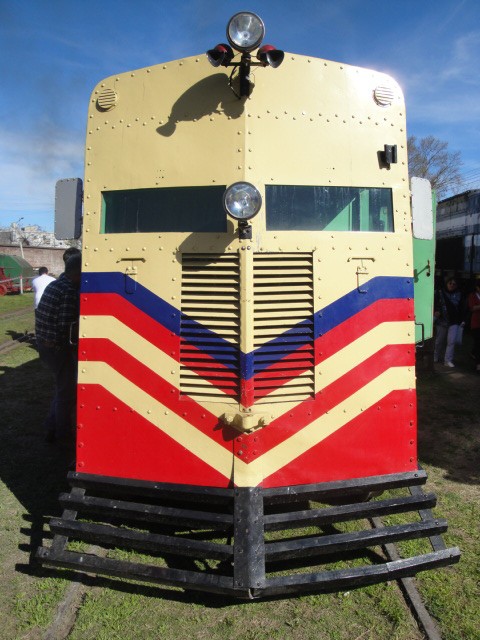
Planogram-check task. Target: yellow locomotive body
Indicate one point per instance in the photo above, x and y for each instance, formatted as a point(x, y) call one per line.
point(289, 304)
point(233, 368)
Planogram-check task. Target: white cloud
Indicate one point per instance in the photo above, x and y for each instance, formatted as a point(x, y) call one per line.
point(443, 94)
point(31, 163)
point(465, 57)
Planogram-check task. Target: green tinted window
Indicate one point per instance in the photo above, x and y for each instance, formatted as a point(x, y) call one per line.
point(189, 209)
point(293, 207)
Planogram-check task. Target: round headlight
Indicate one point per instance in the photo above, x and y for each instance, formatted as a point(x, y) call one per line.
point(245, 31)
point(242, 200)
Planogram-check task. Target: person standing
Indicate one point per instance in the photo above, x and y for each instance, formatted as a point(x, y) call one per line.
point(56, 331)
point(474, 308)
point(69, 253)
point(449, 312)
point(39, 284)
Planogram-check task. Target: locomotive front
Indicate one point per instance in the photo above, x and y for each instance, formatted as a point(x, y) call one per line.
point(247, 317)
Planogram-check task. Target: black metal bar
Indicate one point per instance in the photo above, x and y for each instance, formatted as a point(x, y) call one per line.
point(410, 593)
point(218, 495)
point(437, 542)
point(60, 542)
point(325, 490)
point(210, 582)
point(339, 542)
point(147, 512)
point(244, 72)
point(340, 579)
point(165, 490)
point(330, 515)
point(157, 543)
point(249, 545)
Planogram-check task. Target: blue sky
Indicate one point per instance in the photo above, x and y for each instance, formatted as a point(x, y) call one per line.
point(52, 54)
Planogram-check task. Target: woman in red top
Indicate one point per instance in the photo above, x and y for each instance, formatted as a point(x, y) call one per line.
point(474, 306)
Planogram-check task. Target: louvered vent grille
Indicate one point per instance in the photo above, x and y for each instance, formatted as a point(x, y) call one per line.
point(384, 96)
point(107, 99)
point(283, 327)
point(210, 327)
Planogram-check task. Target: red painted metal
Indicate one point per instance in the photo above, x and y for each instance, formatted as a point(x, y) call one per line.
point(114, 440)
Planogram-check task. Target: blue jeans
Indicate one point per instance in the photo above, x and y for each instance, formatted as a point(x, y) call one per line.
point(62, 362)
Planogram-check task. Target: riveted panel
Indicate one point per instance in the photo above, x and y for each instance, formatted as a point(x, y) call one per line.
point(291, 336)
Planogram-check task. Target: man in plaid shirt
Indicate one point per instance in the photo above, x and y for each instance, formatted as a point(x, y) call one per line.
point(56, 332)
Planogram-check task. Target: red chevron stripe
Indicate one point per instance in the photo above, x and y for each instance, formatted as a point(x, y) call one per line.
point(111, 304)
point(381, 440)
point(215, 369)
point(247, 392)
point(311, 409)
point(114, 440)
point(260, 441)
point(103, 350)
point(396, 310)
point(251, 391)
point(336, 339)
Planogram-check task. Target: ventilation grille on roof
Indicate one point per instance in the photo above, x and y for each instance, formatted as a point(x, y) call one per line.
point(107, 99)
point(383, 96)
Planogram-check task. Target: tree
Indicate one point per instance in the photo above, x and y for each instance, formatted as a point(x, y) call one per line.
point(429, 158)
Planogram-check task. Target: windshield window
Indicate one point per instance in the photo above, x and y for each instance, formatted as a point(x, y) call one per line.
point(178, 209)
point(304, 208)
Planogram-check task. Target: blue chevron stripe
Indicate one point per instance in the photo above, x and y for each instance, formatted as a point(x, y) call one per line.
point(379, 288)
point(224, 352)
point(134, 293)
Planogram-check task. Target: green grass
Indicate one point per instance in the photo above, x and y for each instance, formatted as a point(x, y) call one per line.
point(16, 302)
point(14, 328)
point(31, 477)
point(32, 474)
point(374, 612)
point(16, 317)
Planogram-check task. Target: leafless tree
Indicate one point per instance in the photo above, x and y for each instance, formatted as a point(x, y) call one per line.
point(430, 158)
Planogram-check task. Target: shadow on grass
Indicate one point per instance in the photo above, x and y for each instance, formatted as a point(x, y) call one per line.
point(33, 471)
point(448, 418)
point(18, 336)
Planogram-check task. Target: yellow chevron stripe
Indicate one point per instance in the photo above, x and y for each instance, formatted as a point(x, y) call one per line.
point(361, 349)
point(110, 328)
point(157, 414)
point(326, 372)
point(318, 430)
point(219, 458)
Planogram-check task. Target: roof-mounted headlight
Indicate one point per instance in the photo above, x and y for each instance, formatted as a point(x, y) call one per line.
point(242, 200)
point(245, 31)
